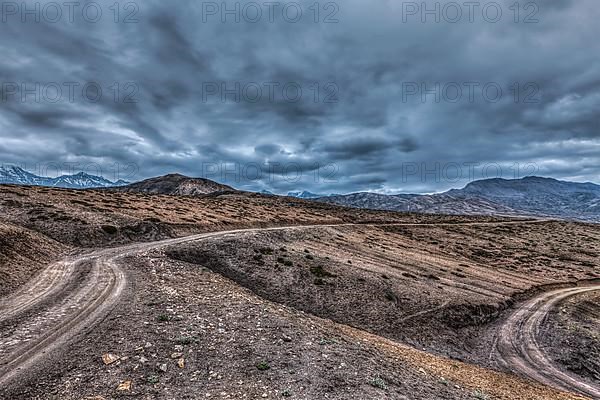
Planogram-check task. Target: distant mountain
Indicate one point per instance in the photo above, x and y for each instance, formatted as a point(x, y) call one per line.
point(537, 194)
point(176, 184)
point(83, 180)
point(17, 176)
point(528, 196)
point(304, 195)
point(429, 204)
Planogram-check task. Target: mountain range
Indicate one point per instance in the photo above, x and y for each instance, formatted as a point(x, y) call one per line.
point(533, 195)
point(14, 175)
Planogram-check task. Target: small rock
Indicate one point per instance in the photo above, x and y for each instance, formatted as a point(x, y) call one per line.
point(108, 358)
point(163, 367)
point(181, 363)
point(286, 338)
point(143, 360)
point(124, 387)
point(176, 355)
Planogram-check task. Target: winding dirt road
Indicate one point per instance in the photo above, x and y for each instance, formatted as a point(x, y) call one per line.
point(518, 345)
point(68, 298)
point(71, 296)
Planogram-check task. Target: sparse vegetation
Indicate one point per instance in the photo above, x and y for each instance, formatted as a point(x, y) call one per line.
point(263, 366)
point(480, 395)
point(205, 307)
point(378, 383)
point(326, 342)
point(320, 272)
point(185, 340)
point(266, 251)
point(319, 281)
point(390, 296)
point(110, 229)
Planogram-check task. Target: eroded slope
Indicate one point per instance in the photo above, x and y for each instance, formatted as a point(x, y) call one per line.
point(22, 254)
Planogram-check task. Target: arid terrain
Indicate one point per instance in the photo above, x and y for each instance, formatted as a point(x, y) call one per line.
point(234, 295)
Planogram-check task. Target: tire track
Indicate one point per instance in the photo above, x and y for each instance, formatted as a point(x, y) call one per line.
point(50, 281)
point(518, 348)
point(29, 339)
point(100, 293)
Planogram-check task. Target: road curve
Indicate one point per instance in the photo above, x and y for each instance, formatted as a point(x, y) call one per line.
point(518, 348)
point(69, 297)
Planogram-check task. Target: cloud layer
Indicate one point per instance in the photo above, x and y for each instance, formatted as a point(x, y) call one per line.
point(385, 99)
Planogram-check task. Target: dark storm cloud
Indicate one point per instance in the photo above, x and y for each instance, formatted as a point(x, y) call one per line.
point(356, 124)
point(267, 149)
point(359, 148)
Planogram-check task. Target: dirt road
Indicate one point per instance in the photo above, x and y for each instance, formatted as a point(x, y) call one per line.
point(70, 296)
point(518, 347)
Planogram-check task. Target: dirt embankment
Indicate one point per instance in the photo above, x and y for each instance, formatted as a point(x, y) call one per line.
point(22, 254)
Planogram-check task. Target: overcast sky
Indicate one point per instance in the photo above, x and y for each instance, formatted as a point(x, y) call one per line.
point(331, 97)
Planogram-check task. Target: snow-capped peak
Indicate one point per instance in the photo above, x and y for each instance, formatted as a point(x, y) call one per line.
point(10, 174)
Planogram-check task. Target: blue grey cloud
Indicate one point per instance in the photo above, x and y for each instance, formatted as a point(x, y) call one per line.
point(379, 100)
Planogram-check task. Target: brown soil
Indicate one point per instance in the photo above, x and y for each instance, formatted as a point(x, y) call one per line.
point(104, 218)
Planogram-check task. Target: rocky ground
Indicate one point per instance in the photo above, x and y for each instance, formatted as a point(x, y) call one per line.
point(425, 286)
point(185, 332)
